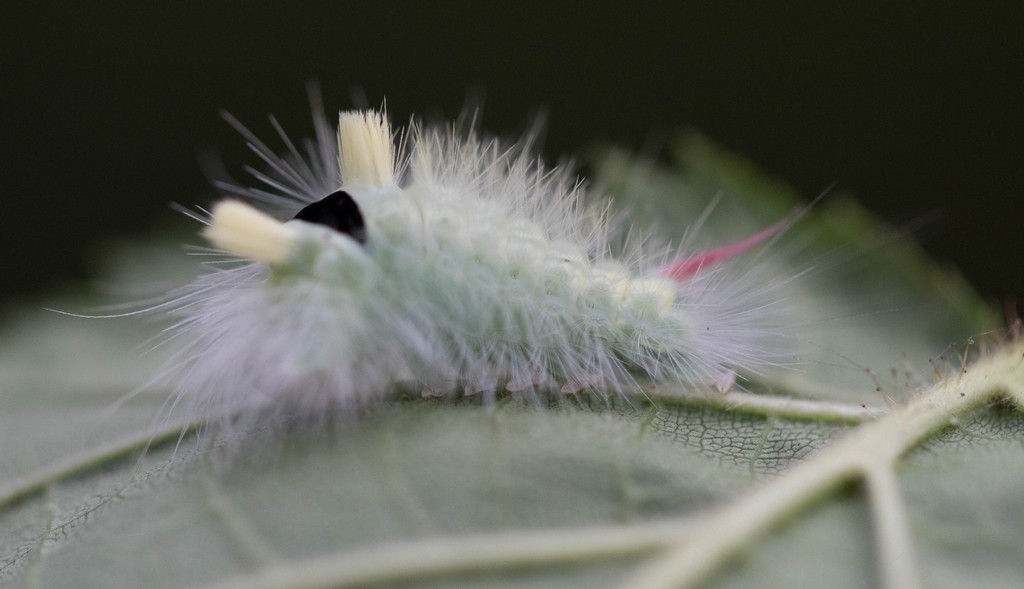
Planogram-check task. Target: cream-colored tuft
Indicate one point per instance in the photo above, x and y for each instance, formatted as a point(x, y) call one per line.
point(365, 148)
point(240, 229)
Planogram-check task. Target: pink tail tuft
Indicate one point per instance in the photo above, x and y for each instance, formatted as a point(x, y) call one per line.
point(684, 269)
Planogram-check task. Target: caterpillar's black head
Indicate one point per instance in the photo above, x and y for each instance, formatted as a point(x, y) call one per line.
point(339, 212)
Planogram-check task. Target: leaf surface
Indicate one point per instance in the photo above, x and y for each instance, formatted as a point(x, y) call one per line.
point(577, 494)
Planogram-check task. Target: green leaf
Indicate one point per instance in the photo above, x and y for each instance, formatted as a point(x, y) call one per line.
point(739, 490)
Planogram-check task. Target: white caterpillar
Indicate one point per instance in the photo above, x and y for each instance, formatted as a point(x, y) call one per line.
point(453, 265)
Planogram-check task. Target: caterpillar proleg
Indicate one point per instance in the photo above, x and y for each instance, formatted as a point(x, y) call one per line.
point(456, 265)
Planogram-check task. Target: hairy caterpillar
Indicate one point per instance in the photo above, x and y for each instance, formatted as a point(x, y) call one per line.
point(453, 264)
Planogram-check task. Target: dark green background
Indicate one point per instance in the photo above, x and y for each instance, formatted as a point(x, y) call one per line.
point(916, 108)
